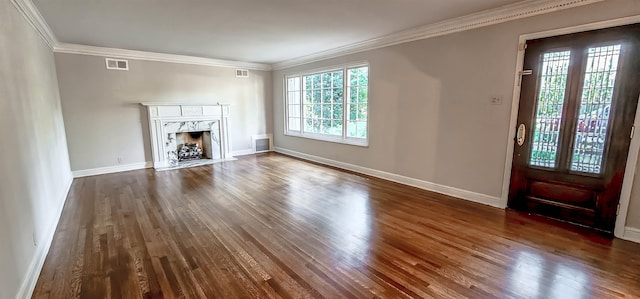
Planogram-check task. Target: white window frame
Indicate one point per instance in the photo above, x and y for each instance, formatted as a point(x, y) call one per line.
point(344, 139)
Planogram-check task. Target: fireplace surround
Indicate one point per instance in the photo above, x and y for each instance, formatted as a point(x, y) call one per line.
point(168, 120)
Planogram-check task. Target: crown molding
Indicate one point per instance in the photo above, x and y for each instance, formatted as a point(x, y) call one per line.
point(476, 20)
point(472, 21)
point(35, 19)
point(153, 56)
point(31, 13)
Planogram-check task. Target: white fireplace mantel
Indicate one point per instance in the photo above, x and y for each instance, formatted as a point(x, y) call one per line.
point(167, 119)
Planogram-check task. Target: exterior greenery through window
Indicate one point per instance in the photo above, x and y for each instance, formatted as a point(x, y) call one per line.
point(318, 105)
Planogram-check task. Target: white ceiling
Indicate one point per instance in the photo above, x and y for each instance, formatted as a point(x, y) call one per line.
point(265, 31)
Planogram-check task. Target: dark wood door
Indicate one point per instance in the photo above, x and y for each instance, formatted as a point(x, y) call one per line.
point(575, 122)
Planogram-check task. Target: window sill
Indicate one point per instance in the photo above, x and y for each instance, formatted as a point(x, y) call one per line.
point(336, 139)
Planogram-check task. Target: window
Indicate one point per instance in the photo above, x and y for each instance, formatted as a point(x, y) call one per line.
point(329, 105)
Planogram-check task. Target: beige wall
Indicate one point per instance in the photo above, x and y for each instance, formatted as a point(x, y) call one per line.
point(104, 119)
point(430, 116)
point(34, 171)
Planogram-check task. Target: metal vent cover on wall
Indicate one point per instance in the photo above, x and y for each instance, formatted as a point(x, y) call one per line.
point(242, 73)
point(117, 64)
point(262, 143)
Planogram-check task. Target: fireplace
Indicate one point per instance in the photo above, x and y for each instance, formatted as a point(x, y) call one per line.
point(184, 136)
point(191, 146)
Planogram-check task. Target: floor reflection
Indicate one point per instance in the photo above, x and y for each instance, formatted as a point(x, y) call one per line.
point(352, 224)
point(347, 216)
point(535, 277)
point(528, 274)
point(568, 283)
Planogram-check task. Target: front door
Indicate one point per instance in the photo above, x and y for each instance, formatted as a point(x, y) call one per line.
point(578, 99)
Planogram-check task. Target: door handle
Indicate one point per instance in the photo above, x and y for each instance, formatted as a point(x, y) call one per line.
point(520, 134)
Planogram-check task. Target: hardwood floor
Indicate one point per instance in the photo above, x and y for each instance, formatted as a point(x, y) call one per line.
point(273, 226)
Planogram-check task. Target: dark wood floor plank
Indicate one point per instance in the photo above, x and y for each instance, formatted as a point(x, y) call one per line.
point(271, 226)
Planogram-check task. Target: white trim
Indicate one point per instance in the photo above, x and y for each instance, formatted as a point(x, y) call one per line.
point(154, 56)
point(244, 152)
point(631, 234)
point(199, 103)
point(32, 15)
point(35, 19)
point(634, 147)
point(472, 21)
point(425, 185)
point(111, 169)
point(44, 244)
point(330, 138)
point(343, 139)
point(627, 181)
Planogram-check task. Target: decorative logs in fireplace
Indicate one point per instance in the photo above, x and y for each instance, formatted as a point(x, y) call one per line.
point(190, 151)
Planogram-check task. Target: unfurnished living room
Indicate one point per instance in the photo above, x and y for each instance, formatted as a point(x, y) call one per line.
point(319, 149)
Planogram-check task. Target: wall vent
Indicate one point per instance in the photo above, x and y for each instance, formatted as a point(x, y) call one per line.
point(262, 143)
point(242, 73)
point(117, 64)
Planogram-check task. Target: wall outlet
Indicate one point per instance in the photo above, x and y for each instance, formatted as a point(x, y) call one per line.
point(119, 160)
point(495, 100)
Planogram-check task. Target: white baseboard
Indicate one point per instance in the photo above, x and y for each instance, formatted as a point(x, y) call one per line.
point(111, 169)
point(631, 234)
point(42, 249)
point(245, 152)
point(425, 185)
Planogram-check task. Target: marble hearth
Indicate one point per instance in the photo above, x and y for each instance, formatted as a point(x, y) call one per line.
point(166, 121)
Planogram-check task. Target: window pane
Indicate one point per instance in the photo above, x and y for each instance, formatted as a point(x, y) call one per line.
point(353, 76)
point(316, 81)
point(337, 95)
point(362, 95)
point(353, 111)
point(294, 124)
point(337, 79)
point(553, 83)
point(322, 100)
point(359, 76)
point(362, 129)
point(337, 111)
point(353, 95)
point(326, 80)
point(357, 129)
point(294, 110)
point(593, 120)
point(308, 96)
point(326, 111)
point(294, 97)
point(293, 84)
point(309, 126)
point(358, 99)
point(336, 126)
point(317, 96)
point(362, 111)
point(352, 129)
point(308, 83)
point(327, 96)
point(309, 112)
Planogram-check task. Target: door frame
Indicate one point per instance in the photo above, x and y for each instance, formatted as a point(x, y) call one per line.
point(634, 147)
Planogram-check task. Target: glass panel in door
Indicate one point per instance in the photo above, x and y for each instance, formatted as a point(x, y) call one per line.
point(595, 105)
point(553, 85)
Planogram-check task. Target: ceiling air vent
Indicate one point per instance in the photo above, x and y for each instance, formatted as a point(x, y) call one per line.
point(117, 64)
point(242, 73)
